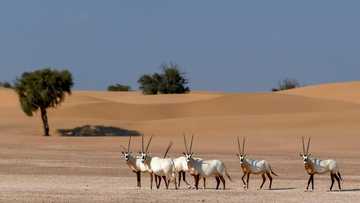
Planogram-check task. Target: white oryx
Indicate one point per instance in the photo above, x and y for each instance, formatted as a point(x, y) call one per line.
point(162, 167)
point(316, 166)
point(251, 166)
point(181, 167)
point(205, 168)
point(134, 163)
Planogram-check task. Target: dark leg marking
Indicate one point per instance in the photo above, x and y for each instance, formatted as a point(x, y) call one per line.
point(158, 180)
point(138, 178)
point(151, 180)
point(184, 178)
point(332, 180)
point(338, 180)
point(179, 178)
point(242, 178)
point(312, 181)
point(264, 179)
point(270, 179)
point(166, 182)
point(217, 182)
point(247, 180)
point(307, 187)
point(223, 181)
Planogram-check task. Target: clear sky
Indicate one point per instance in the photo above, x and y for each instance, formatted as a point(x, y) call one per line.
point(222, 45)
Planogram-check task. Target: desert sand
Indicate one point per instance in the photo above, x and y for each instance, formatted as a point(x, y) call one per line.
point(34, 168)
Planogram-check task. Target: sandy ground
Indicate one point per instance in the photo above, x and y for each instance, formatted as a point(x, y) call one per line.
point(34, 168)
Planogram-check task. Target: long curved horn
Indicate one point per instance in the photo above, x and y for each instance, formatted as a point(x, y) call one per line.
point(123, 148)
point(308, 146)
point(167, 149)
point(303, 144)
point(128, 150)
point(142, 143)
point(148, 144)
point(186, 148)
point(243, 147)
point(239, 148)
point(192, 138)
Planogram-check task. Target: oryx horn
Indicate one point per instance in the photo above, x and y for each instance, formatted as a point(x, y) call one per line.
point(148, 144)
point(167, 149)
point(187, 151)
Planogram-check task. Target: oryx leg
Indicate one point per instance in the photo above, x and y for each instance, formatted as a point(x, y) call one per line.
point(204, 180)
point(217, 182)
point(242, 178)
point(158, 181)
point(264, 179)
point(309, 181)
point(151, 180)
point(270, 179)
point(223, 181)
point(197, 178)
point(312, 181)
point(138, 178)
point(338, 180)
point(332, 180)
point(175, 183)
point(184, 178)
point(179, 178)
point(166, 182)
point(247, 180)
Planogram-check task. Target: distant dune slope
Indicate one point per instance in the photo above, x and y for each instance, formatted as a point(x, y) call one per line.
point(346, 91)
point(132, 106)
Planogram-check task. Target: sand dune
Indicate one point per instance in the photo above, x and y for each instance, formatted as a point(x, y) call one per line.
point(272, 122)
point(346, 91)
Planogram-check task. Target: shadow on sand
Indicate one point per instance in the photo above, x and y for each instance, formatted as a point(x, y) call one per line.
point(96, 131)
point(350, 190)
point(281, 189)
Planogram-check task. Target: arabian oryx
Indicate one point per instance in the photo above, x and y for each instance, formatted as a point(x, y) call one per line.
point(162, 167)
point(205, 168)
point(134, 163)
point(181, 167)
point(251, 166)
point(316, 166)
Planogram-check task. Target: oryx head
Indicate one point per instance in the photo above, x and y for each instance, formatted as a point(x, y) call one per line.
point(126, 152)
point(241, 151)
point(305, 155)
point(188, 154)
point(144, 153)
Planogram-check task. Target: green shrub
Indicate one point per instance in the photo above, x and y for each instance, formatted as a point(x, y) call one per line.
point(119, 87)
point(170, 81)
point(287, 84)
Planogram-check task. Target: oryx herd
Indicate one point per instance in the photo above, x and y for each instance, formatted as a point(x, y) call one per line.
point(174, 170)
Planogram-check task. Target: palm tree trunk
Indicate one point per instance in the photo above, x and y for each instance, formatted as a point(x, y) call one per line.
point(45, 121)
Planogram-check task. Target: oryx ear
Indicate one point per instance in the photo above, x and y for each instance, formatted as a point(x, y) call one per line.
point(184, 153)
point(300, 154)
point(309, 154)
point(237, 154)
point(122, 153)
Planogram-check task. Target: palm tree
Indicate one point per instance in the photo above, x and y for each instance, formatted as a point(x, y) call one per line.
point(42, 89)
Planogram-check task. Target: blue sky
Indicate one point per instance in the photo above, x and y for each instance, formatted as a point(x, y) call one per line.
point(222, 45)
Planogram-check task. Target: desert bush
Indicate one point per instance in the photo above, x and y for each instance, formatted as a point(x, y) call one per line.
point(149, 84)
point(119, 87)
point(5, 84)
point(287, 84)
point(170, 81)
